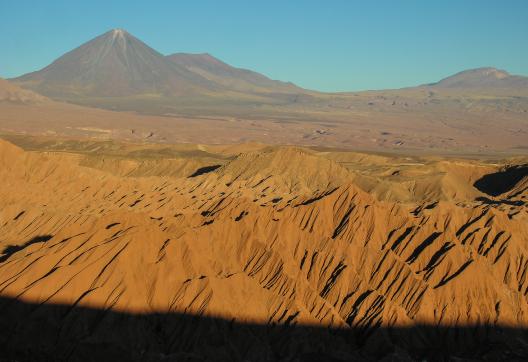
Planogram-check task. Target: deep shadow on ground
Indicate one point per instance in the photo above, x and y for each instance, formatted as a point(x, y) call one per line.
point(45, 332)
point(9, 250)
point(204, 170)
point(497, 183)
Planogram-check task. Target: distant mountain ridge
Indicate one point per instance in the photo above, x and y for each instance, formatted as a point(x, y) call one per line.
point(487, 77)
point(118, 71)
point(217, 71)
point(117, 64)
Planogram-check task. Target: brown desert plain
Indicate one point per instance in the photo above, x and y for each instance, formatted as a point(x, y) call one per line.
point(214, 214)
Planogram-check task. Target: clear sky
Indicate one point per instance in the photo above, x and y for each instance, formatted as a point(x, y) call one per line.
point(332, 45)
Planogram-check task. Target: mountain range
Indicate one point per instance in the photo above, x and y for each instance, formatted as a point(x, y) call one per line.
point(118, 71)
point(198, 98)
point(117, 64)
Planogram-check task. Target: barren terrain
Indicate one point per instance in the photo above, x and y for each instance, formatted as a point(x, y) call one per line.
point(422, 130)
point(360, 256)
point(176, 208)
point(196, 98)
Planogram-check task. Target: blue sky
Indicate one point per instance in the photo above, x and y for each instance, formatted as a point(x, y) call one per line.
point(325, 45)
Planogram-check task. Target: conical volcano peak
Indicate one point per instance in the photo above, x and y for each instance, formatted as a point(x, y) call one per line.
point(119, 37)
point(114, 64)
point(118, 64)
point(118, 33)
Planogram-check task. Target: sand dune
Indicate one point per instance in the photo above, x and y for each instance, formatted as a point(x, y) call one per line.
point(266, 236)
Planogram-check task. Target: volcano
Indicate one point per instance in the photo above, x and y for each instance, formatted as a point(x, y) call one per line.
point(117, 64)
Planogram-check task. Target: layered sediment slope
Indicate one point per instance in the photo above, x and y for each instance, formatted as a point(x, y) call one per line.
point(278, 254)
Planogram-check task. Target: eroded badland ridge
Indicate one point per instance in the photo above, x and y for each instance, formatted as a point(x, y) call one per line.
point(251, 252)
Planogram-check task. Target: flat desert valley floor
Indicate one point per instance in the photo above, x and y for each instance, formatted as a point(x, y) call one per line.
point(417, 123)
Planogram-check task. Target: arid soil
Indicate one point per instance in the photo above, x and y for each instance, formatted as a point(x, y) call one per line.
point(429, 130)
point(175, 208)
point(112, 250)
